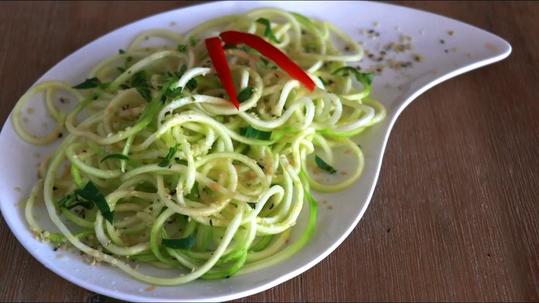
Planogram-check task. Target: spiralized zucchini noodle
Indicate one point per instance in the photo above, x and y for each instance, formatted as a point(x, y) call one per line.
point(157, 167)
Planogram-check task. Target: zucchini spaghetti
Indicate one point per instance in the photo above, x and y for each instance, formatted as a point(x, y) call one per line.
point(200, 154)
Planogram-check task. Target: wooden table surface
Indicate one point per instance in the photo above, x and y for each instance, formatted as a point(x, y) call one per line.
point(455, 215)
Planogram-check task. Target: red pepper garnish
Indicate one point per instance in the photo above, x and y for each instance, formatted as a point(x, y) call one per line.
point(271, 52)
point(218, 58)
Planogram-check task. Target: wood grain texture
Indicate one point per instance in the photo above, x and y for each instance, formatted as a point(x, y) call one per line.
point(455, 215)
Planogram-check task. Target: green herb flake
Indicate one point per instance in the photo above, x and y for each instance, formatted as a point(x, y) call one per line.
point(171, 152)
point(323, 81)
point(88, 83)
point(72, 200)
point(140, 82)
point(324, 166)
point(91, 193)
point(174, 93)
point(114, 156)
point(182, 70)
point(251, 132)
point(193, 41)
point(268, 33)
point(121, 51)
point(66, 201)
point(104, 85)
point(194, 195)
point(364, 78)
point(191, 84)
point(184, 243)
point(182, 48)
point(169, 93)
point(180, 161)
point(139, 79)
point(245, 94)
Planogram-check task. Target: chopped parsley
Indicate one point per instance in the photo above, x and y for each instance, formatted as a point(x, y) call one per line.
point(71, 200)
point(182, 70)
point(193, 41)
point(324, 166)
point(191, 84)
point(251, 132)
point(86, 197)
point(114, 156)
point(245, 94)
point(168, 92)
point(88, 83)
point(194, 194)
point(184, 243)
point(171, 152)
point(364, 78)
point(140, 82)
point(91, 193)
point(182, 48)
point(268, 33)
point(323, 81)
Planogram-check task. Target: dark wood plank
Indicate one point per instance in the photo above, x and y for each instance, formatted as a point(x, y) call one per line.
point(454, 215)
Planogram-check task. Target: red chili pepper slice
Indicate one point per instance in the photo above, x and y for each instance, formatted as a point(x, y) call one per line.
point(218, 59)
point(272, 53)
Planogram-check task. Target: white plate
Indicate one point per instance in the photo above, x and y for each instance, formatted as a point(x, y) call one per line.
point(468, 48)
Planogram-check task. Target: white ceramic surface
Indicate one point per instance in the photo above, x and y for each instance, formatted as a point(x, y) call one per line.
point(469, 48)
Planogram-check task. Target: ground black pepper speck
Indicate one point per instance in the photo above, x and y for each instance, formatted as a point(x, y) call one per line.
point(387, 55)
